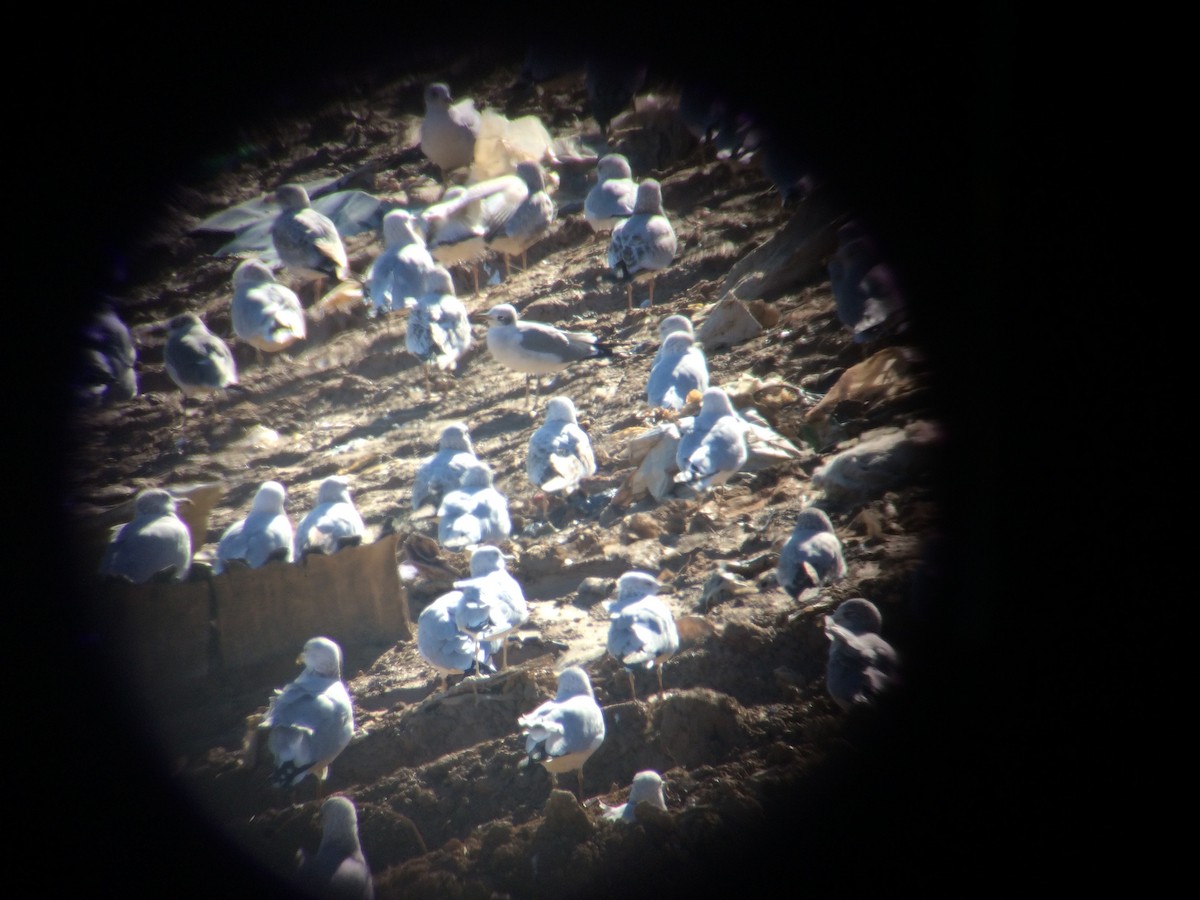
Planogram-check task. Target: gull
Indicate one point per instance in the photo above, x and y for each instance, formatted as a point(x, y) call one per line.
point(560, 452)
point(613, 198)
point(441, 644)
point(339, 867)
point(647, 787)
point(306, 239)
point(333, 523)
point(197, 360)
point(670, 325)
point(562, 733)
point(398, 274)
point(679, 369)
point(641, 629)
point(861, 663)
point(712, 447)
point(155, 544)
point(484, 616)
point(644, 244)
point(107, 372)
point(812, 556)
point(866, 295)
point(265, 534)
point(454, 230)
point(266, 314)
point(310, 721)
point(535, 348)
point(474, 513)
point(448, 131)
point(487, 565)
point(444, 470)
point(439, 331)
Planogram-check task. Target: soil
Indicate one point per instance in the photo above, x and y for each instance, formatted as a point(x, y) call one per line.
point(749, 744)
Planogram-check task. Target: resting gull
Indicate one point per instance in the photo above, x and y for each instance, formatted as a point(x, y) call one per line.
point(310, 721)
point(448, 131)
point(155, 544)
point(265, 534)
point(266, 314)
point(439, 331)
point(474, 513)
point(644, 244)
point(712, 448)
point(107, 373)
point(613, 198)
point(197, 360)
point(443, 645)
point(812, 556)
point(647, 786)
point(641, 630)
point(679, 369)
point(562, 733)
point(339, 868)
point(333, 523)
point(668, 326)
point(560, 452)
point(444, 470)
point(861, 663)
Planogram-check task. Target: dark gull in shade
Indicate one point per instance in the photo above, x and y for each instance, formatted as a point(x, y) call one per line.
point(197, 360)
point(445, 470)
point(448, 130)
point(612, 83)
point(641, 629)
point(560, 452)
point(562, 733)
point(861, 663)
point(310, 721)
point(612, 199)
point(398, 274)
point(535, 348)
point(487, 566)
point(441, 644)
point(679, 369)
point(644, 244)
point(865, 292)
point(454, 230)
point(668, 326)
point(266, 314)
point(439, 331)
point(107, 372)
point(265, 534)
point(338, 869)
point(712, 447)
point(333, 523)
point(306, 239)
point(155, 544)
point(812, 555)
point(473, 514)
point(647, 786)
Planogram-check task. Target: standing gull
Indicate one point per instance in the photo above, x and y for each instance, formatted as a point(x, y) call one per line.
point(861, 663)
point(534, 348)
point(641, 630)
point(812, 556)
point(514, 228)
point(197, 360)
point(306, 239)
point(647, 786)
point(644, 244)
point(487, 565)
point(265, 534)
point(613, 198)
point(333, 523)
point(713, 446)
point(562, 733)
point(443, 645)
point(445, 470)
point(107, 373)
point(339, 868)
point(310, 721)
point(454, 230)
point(560, 452)
point(679, 369)
point(474, 513)
point(398, 274)
point(448, 131)
point(439, 331)
point(266, 314)
point(155, 544)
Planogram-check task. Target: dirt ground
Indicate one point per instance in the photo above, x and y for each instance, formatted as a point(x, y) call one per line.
point(745, 731)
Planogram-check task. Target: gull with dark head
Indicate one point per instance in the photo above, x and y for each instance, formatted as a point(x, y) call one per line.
point(333, 523)
point(266, 314)
point(155, 544)
point(265, 534)
point(563, 733)
point(535, 348)
point(641, 631)
point(812, 555)
point(644, 244)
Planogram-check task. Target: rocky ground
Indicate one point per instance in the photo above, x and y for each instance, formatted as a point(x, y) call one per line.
point(746, 737)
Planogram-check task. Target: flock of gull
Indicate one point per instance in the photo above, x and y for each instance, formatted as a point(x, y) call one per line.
point(465, 632)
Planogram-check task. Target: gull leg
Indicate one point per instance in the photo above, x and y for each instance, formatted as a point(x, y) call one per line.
point(658, 666)
point(504, 654)
point(629, 296)
point(632, 692)
point(524, 261)
point(580, 772)
point(507, 270)
point(651, 290)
